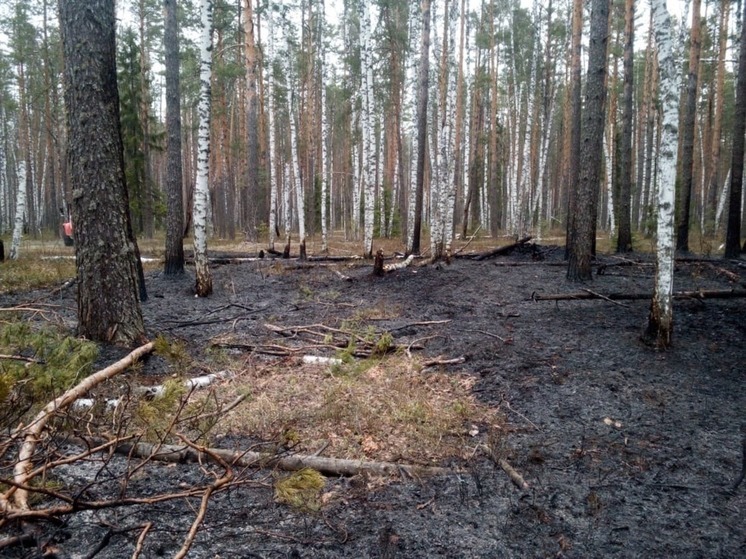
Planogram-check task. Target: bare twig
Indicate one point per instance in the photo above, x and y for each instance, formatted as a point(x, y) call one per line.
point(141, 540)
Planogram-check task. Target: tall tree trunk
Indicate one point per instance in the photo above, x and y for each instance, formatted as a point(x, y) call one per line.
point(174, 263)
point(423, 88)
point(660, 320)
point(250, 192)
point(203, 286)
point(733, 233)
point(583, 232)
point(15, 244)
point(366, 67)
point(624, 217)
point(106, 251)
point(573, 167)
point(684, 201)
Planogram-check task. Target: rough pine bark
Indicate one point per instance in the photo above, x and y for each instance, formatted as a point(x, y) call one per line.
point(174, 263)
point(687, 142)
point(250, 191)
point(733, 233)
point(573, 164)
point(583, 230)
point(106, 252)
point(624, 216)
point(203, 285)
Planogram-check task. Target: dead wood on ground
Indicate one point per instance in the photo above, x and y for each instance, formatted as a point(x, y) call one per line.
point(289, 462)
point(587, 294)
point(507, 249)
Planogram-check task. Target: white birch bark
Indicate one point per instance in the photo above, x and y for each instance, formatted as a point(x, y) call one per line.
point(609, 183)
point(271, 167)
point(300, 205)
point(366, 57)
point(409, 101)
point(660, 321)
point(15, 244)
point(286, 213)
point(721, 201)
point(326, 175)
point(201, 188)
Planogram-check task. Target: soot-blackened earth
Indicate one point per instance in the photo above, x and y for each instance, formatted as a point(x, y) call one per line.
point(628, 451)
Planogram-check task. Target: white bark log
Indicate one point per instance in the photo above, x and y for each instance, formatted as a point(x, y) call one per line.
point(15, 244)
point(201, 189)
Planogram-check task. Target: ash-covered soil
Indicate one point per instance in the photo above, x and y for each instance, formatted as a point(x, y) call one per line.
point(628, 451)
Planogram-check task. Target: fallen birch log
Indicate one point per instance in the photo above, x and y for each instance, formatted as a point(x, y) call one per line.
point(291, 462)
point(32, 432)
point(585, 295)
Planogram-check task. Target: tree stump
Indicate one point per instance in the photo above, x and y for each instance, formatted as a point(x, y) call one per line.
point(378, 263)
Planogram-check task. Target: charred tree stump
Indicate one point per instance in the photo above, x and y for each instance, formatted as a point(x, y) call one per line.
point(378, 263)
point(286, 251)
point(302, 248)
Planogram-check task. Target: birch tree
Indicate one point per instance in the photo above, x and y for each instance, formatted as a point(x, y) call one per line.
point(203, 286)
point(15, 243)
point(368, 170)
point(660, 320)
point(423, 81)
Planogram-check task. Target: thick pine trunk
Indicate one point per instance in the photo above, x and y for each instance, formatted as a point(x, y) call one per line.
point(174, 263)
point(733, 234)
point(624, 217)
point(106, 252)
point(583, 232)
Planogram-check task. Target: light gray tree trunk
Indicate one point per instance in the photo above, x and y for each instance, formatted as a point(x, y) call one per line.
point(201, 190)
point(368, 171)
point(660, 319)
point(15, 244)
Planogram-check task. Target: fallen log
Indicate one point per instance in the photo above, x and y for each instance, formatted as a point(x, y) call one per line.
point(289, 462)
point(585, 295)
point(501, 250)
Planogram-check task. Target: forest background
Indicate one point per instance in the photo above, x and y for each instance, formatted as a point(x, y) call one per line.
point(314, 119)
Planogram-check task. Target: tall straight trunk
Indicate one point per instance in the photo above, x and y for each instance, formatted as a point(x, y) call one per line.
point(583, 232)
point(174, 261)
point(624, 216)
point(660, 320)
point(272, 167)
point(20, 215)
point(250, 194)
point(148, 199)
point(326, 139)
point(423, 88)
point(573, 167)
point(733, 233)
point(368, 171)
point(203, 286)
point(105, 248)
point(684, 201)
point(709, 209)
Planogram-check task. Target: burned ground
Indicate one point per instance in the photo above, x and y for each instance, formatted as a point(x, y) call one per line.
point(628, 451)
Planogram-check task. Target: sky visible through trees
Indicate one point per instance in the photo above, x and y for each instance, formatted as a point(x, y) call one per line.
point(333, 145)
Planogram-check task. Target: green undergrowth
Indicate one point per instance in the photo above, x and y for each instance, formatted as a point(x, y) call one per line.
point(39, 364)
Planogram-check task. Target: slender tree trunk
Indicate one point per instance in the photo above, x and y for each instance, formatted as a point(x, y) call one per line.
point(203, 286)
point(174, 263)
point(366, 55)
point(15, 244)
point(573, 167)
point(684, 201)
point(422, 98)
point(583, 232)
point(624, 217)
point(147, 185)
point(660, 320)
point(250, 194)
point(733, 233)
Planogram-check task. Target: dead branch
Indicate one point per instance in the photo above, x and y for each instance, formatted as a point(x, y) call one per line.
point(33, 431)
point(501, 250)
point(585, 295)
point(29, 360)
point(294, 462)
point(513, 474)
point(440, 361)
point(471, 238)
point(141, 540)
point(399, 265)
